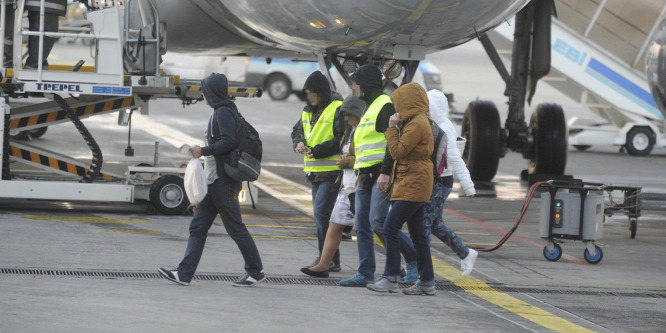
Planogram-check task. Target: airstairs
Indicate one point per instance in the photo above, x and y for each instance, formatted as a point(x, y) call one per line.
point(610, 83)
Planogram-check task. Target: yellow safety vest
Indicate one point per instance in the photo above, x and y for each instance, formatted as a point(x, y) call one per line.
point(321, 132)
point(370, 145)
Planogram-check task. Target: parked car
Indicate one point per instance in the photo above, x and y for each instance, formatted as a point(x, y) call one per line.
point(282, 77)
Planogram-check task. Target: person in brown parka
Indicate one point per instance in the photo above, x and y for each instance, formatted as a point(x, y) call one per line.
point(409, 140)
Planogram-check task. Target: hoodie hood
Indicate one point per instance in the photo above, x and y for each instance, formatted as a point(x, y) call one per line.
point(369, 78)
point(216, 90)
point(439, 106)
point(354, 106)
point(410, 100)
point(318, 83)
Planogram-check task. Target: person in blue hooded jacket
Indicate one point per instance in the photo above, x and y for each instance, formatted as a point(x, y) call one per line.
point(223, 191)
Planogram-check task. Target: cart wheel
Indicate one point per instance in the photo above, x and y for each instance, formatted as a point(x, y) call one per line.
point(597, 257)
point(167, 195)
point(633, 226)
point(555, 256)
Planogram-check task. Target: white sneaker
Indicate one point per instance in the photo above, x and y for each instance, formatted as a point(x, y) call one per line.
point(467, 264)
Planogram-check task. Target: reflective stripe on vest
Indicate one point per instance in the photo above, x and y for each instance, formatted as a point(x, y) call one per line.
point(320, 133)
point(370, 145)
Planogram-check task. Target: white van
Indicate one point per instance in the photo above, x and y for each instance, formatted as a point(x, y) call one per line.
point(281, 77)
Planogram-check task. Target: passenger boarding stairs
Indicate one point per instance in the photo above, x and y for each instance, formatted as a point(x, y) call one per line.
point(607, 82)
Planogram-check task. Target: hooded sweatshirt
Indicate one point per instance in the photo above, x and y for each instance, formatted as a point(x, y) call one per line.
point(411, 146)
point(439, 112)
point(221, 130)
point(318, 83)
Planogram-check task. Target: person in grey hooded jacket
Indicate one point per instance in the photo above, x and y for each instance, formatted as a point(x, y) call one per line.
point(222, 197)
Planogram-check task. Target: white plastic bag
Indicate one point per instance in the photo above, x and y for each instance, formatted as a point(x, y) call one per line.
point(196, 187)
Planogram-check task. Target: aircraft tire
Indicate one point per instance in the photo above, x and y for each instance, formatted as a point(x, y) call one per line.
point(167, 195)
point(640, 141)
point(30, 134)
point(549, 128)
point(278, 87)
point(481, 128)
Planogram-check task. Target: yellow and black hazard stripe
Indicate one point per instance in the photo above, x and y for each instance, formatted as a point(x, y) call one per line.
point(81, 111)
point(232, 91)
point(54, 163)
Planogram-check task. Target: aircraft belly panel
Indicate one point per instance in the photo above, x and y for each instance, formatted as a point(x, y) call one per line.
point(307, 25)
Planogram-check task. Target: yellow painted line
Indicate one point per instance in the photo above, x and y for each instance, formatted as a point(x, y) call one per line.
point(271, 226)
point(86, 219)
point(285, 237)
point(149, 232)
point(277, 226)
point(505, 301)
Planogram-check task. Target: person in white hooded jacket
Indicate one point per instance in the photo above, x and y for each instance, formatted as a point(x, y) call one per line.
point(439, 113)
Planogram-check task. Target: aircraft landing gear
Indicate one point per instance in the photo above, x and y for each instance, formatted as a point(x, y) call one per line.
point(549, 131)
point(544, 142)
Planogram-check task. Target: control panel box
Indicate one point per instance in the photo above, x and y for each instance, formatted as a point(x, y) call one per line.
point(565, 212)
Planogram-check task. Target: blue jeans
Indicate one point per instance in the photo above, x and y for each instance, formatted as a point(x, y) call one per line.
point(412, 212)
point(371, 209)
point(432, 218)
point(323, 201)
point(222, 198)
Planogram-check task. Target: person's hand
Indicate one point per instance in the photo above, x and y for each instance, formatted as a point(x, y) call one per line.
point(301, 148)
point(394, 120)
point(471, 196)
point(195, 151)
point(382, 182)
point(309, 154)
point(338, 162)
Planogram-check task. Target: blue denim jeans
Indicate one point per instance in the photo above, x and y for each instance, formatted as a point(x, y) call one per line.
point(432, 218)
point(222, 198)
point(323, 201)
point(372, 206)
point(412, 212)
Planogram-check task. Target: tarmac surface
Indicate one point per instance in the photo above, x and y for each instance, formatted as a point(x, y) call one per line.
point(93, 267)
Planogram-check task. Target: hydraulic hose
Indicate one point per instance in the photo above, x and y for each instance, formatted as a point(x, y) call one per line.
point(97, 159)
point(506, 236)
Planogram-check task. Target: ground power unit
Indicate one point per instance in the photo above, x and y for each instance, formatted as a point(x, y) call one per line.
point(572, 210)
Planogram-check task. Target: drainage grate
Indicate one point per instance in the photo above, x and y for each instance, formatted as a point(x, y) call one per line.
point(333, 282)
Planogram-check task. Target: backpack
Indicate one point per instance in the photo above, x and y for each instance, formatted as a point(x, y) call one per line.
point(440, 149)
point(245, 162)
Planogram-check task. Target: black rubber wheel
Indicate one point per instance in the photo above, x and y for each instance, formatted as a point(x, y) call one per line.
point(597, 256)
point(582, 147)
point(481, 128)
point(640, 141)
point(30, 134)
point(167, 195)
point(549, 130)
point(278, 87)
point(555, 256)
